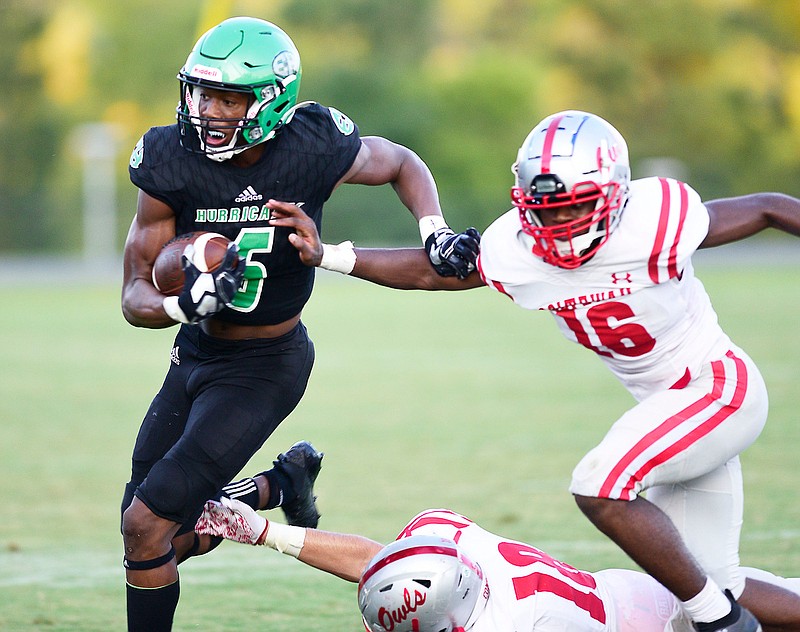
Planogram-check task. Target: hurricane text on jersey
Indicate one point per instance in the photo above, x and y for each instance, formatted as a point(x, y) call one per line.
point(303, 162)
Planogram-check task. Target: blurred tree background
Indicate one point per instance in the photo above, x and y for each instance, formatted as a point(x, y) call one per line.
point(710, 88)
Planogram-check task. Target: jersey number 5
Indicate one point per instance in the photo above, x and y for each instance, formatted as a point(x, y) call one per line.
point(252, 241)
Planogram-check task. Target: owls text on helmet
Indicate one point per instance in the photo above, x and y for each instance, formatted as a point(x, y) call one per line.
point(421, 583)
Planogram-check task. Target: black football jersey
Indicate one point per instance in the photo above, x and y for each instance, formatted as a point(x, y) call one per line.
point(301, 164)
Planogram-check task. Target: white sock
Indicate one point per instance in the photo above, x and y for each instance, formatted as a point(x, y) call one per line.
point(709, 604)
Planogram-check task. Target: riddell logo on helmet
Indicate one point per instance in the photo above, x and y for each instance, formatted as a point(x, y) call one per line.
point(205, 72)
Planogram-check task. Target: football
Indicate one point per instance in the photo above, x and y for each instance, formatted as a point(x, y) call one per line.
point(209, 251)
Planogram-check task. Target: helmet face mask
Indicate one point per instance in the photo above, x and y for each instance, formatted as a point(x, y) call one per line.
point(242, 55)
point(567, 161)
point(421, 584)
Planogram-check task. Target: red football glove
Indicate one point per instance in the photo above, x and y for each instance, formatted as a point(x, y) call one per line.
point(233, 520)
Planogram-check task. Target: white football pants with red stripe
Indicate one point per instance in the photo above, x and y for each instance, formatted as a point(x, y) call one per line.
point(682, 446)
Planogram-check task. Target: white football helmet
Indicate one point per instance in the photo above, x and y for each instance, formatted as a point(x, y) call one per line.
point(571, 158)
point(422, 583)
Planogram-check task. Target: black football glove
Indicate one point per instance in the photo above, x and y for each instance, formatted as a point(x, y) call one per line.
point(228, 277)
point(206, 293)
point(453, 254)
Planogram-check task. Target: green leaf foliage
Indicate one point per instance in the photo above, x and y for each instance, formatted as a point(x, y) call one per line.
point(711, 85)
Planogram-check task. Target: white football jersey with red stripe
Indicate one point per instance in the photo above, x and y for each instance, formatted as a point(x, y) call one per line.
point(528, 589)
point(636, 303)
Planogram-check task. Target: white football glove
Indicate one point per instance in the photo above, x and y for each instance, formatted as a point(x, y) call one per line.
point(233, 520)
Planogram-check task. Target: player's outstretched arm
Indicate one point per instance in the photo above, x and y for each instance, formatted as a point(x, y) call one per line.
point(342, 554)
point(345, 555)
point(400, 268)
point(406, 269)
point(735, 218)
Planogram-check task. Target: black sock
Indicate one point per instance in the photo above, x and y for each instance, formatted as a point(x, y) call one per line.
point(280, 488)
point(152, 609)
point(245, 490)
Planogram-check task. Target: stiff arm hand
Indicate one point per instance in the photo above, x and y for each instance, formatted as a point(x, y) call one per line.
point(312, 251)
point(400, 268)
point(305, 236)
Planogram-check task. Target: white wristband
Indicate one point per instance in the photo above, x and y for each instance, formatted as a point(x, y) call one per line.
point(174, 310)
point(285, 538)
point(339, 258)
point(429, 225)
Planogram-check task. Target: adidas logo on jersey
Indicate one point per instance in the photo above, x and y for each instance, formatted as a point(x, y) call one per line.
point(174, 357)
point(248, 195)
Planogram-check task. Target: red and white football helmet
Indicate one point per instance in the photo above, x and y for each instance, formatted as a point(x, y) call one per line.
point(571, 158)
point(421, 583)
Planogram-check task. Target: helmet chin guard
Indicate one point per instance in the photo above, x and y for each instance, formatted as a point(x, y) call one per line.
point(421, 584)
point(569, 159)
point(244, 55)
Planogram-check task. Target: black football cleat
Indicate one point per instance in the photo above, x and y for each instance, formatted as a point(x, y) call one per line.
point(301, 465)
point(739, 620)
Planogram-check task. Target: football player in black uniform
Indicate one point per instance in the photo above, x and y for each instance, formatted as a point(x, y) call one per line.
point(241, 358)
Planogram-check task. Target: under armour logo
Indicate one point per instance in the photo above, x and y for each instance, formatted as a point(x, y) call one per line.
point(620, 277)
point(173, 355)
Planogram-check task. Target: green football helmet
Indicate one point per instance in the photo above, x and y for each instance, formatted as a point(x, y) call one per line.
point(246, 55)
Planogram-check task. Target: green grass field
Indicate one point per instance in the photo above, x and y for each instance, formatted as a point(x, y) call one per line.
point(418, 400)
